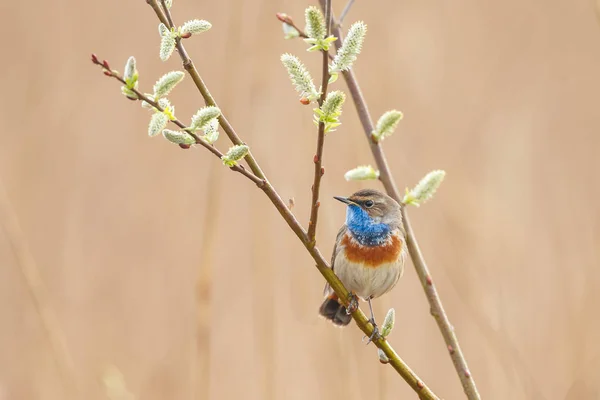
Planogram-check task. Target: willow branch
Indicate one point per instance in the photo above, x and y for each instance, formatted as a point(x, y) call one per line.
point(39, 295)
point(143, 97)
point(318, 159)
point(435, 303)
point(164, 15)
point(345, 11)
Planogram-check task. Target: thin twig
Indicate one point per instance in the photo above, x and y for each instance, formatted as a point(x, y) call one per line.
point(301, 33)
point(164, 16)
point(142, 97)
point(435, 303)
point(39, 295)
point(345, 11)
point(318, 159)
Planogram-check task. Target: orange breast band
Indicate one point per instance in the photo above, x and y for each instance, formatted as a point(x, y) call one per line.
point(372, 256)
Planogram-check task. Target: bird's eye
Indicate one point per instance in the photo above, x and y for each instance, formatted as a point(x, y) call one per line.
point(369, 203)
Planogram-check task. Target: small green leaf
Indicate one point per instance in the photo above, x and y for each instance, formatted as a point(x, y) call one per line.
point(320, 44)
point(167, 108)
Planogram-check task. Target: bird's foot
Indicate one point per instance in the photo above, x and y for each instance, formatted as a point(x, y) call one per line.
point(375, 335)
point(353, 303)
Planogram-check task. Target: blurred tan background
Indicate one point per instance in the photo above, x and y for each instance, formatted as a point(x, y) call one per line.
point(181, 274)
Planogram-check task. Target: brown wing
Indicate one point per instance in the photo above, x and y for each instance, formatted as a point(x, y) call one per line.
point(336, 250)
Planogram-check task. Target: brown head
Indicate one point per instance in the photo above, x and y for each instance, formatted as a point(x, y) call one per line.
point(380, 207)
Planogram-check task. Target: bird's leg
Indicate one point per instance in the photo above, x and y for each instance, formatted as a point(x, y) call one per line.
point(375, 335)
point(353, 303)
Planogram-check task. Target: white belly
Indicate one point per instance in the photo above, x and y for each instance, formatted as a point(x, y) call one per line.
point(368, 282)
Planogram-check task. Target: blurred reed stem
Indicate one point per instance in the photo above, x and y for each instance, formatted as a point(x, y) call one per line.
point(39, 296)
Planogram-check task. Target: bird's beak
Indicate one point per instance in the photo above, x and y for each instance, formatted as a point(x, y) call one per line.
point(344, 200)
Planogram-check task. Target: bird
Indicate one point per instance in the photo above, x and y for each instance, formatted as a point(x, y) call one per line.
point(368, 255)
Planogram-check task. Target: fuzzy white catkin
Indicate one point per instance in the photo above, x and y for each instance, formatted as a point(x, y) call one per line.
point(332, 106)
point(195, 26)
point(130, 69)
point(388, 322)
point(158, 121)
point(350, 49)
point(167, 46)
point(386, 125)
point(204, 115)
point(167, 82)
point(211, 131)
point(300, 77)
point(362, 172)
point(178, 137)
point(315, 23)
point(425, 189)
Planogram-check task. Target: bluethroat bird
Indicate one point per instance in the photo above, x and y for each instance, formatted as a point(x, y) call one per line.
point(368, 255)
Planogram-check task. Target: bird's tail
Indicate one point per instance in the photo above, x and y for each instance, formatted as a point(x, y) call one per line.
point(333, 311)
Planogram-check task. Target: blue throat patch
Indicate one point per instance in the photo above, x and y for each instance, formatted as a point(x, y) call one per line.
point(366, 231)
